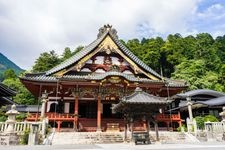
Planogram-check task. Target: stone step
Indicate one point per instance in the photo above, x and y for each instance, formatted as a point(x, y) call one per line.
point(86, 137)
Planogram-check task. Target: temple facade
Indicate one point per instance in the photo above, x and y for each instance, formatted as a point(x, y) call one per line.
point(80, 92)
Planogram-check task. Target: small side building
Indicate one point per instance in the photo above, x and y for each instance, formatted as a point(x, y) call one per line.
point(204, 102)
point(6, 95)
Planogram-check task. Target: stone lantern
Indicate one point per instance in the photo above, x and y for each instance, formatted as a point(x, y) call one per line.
point(222, 114)
point(10, 137)
point(11, 119)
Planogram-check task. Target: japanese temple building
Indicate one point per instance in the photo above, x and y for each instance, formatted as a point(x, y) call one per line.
point(80, 92)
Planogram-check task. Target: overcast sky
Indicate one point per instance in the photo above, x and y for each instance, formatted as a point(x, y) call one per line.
point(30, 27)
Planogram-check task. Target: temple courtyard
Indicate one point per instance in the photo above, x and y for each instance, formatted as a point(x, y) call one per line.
point(198, 146)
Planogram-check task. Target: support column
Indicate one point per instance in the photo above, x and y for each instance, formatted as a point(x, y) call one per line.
point(59, 125)
point(156, 131)
point(99, 114)
point(44, 100)
point(76, 113)
point(168, 126)
point(125, 129)
point(180, 123)
point(144, 123)
point(189, 103)
point(43, 106)
point(132, 128)
point(147, 125)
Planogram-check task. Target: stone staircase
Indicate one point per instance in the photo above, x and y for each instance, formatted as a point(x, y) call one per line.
point(172, 137)
point(117, 137)
point(87, 137)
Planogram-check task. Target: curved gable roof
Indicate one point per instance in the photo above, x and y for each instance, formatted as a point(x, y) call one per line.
point(86, 50)
point(201, 92)
point(213, 102)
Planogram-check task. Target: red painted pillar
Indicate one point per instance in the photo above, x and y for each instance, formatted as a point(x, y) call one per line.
point(59, 125)
point(99, 114)
point(76, 113)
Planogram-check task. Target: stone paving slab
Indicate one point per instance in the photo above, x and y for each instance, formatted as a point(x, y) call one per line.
point(123, 146)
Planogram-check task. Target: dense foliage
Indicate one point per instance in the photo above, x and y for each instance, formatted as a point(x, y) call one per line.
point(199, 60)
point(47, 60)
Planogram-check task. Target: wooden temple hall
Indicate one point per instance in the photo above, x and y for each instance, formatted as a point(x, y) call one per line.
point(94, 89)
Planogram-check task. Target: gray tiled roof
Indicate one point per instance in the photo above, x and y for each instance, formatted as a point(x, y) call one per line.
point(26, 108)
point(140, 96)
point(86, 50)
point(219, 101)
point(95, 76)
point(6, 91)
point(77, 56)
point(201, 92)
point(89, 77)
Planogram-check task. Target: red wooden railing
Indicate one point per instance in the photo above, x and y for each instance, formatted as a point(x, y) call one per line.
point(70, 117)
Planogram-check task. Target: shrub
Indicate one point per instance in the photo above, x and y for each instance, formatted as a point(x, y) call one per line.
point(210, 118)
point(3, 117)
point(200, 122)
point(24, 137)
point(179, 129)
point(21, 117)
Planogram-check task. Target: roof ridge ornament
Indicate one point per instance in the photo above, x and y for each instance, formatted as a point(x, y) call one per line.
point(107, 28)
point(138, 89)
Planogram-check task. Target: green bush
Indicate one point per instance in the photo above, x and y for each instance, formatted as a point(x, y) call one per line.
point(21, 117)
point(24, 137)
point(3, 117)
point(180, 128)
point(210, 118)
point(200, 122)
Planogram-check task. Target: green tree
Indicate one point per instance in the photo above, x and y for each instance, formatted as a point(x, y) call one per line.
point(190, 71)
point(66, 54)
point(78, 49)
point(151, 52)
point(9, 73)
point(210, 118)
point(46, 61)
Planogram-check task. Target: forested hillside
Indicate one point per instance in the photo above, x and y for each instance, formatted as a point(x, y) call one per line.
point(199, 60)
point(5, 64)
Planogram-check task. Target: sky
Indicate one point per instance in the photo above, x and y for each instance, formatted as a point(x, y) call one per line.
point(31, 27)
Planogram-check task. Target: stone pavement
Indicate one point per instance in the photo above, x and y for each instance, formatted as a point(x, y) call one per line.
point(123, 146)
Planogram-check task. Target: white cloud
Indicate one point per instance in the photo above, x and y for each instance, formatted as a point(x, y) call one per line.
point(30, 27)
